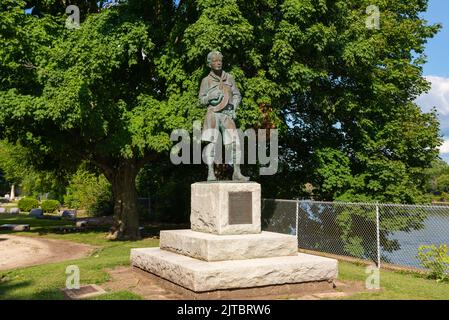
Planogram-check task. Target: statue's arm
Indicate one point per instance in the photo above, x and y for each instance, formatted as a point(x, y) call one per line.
point(236, 95)
point(202, 97)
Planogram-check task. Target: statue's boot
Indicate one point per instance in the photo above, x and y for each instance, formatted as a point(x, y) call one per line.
point(237, 156)
point(237, 175)
point(211, 174)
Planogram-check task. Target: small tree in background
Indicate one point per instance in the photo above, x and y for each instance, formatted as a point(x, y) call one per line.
point(50, 206)
point(436, 260)
point(89, 191)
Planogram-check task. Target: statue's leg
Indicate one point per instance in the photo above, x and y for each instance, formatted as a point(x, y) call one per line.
point(237, 175)
point(210, 133)
point(234, 143)
point(210, 158)
point(211, 173)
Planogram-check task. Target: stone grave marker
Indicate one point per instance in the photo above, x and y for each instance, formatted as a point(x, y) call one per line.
point(14, 211)
point(69, 214)
point(37, 212)
point(15, 227)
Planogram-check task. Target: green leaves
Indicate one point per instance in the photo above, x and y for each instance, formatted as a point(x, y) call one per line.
point(220, 26)
point(333, 172)
point(115, 88)
point(436, 259)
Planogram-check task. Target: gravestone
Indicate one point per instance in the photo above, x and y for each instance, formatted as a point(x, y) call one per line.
point(2, 210)
point(15, 227)
point(81, 224)
point(69, 214)
point(36, 212)
point(14, 211)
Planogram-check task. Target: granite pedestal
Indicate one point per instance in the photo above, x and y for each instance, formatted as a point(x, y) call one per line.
point(225, 249)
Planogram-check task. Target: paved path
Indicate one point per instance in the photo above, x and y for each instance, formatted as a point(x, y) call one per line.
point(18, 251)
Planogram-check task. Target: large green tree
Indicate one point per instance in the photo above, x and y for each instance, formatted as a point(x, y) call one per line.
point(111, 91)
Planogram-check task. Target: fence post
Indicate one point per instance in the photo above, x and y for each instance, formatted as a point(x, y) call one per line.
point(378, 234)
point(297, 214)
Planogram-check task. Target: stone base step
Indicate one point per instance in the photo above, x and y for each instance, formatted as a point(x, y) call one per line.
point(210, 247)
point(202, 276)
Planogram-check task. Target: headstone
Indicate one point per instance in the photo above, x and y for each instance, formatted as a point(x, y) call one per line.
point(36, 213)
point(2, 210)
point(69, 214)
point(14, 211)
point(81, 224)
point(15, 227)
point(13, 193)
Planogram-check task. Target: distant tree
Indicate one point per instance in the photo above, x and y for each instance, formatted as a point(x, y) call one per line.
point(89, 191)
point(443, 183)
point(4, 185)
point(435, 177)
point(18, 170)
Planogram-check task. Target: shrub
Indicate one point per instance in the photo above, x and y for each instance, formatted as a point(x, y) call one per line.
point(26, 204)
point(89, 192)
point(50, 206)
point(436, 259)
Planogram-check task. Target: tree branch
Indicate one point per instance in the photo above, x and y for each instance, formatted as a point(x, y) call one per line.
point(29, 65)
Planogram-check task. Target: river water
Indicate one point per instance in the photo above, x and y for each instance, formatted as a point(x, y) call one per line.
point(280, 216)
point(435, 231)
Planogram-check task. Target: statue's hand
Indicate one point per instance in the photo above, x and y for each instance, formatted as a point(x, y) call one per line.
point(214, 95)
point(233, 113)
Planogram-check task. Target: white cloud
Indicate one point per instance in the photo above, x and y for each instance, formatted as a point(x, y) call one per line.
point(444, 149)
point(437, 97)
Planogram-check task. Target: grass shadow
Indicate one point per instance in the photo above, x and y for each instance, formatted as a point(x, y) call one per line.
point(6, 286)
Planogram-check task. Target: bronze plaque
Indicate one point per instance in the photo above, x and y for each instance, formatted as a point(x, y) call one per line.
point(240, 208)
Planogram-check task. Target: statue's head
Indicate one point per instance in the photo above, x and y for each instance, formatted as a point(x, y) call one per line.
point(215, 60)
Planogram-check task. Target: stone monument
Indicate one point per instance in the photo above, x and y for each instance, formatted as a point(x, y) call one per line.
point(225, 248)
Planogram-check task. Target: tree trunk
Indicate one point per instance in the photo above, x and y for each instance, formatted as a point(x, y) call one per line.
point(126, 215)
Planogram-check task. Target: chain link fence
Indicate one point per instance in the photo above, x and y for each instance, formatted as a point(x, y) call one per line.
point(381, 233)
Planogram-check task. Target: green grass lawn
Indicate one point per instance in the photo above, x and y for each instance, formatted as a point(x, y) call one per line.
point(45, 281)
point(395, 285)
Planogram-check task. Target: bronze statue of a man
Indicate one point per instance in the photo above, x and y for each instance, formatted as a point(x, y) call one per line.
point(221, 96)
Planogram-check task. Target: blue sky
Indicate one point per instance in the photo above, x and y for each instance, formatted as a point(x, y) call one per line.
point(436, 69)
point(438, 48)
